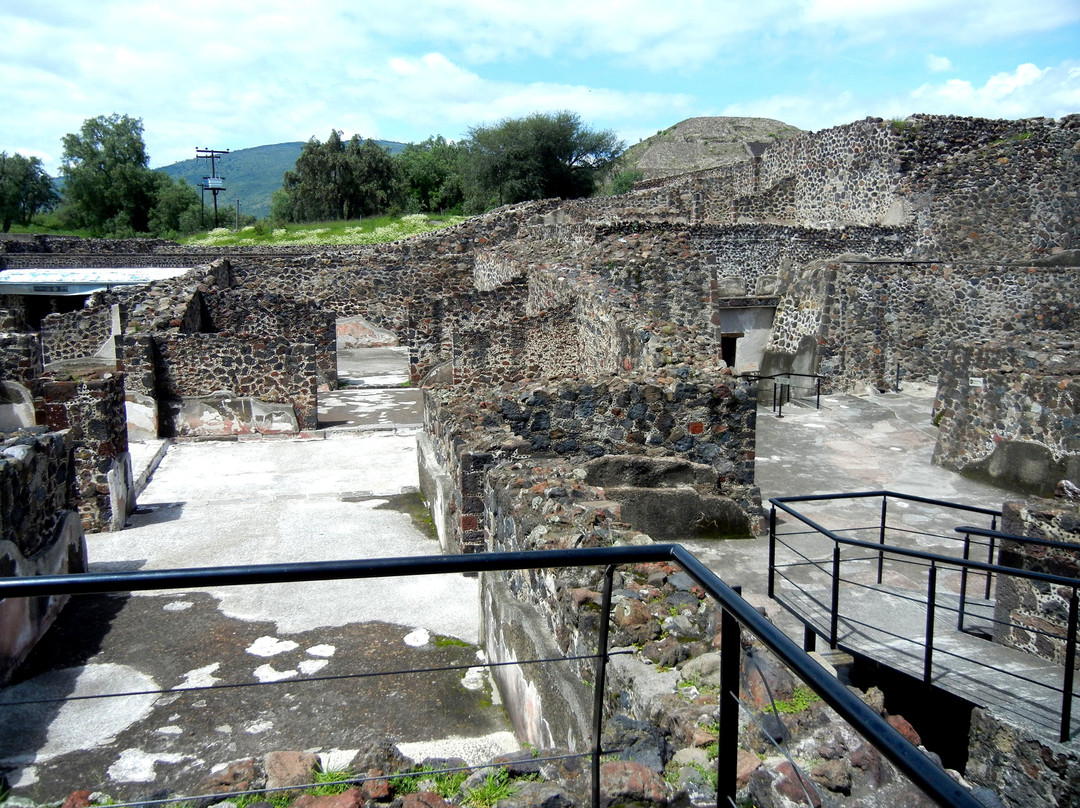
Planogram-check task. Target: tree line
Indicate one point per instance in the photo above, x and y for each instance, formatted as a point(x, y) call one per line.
point(108, 188)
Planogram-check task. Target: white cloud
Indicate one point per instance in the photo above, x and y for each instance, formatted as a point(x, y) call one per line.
point(1026, 92)
point(938, 64)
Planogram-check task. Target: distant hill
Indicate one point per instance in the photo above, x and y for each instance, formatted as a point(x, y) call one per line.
point(252, 175)
point(699, 143)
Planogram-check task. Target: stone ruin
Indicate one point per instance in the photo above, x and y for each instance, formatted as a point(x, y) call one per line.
point(591, 366)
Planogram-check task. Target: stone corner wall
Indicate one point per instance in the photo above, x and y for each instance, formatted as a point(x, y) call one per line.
point(1008, 412)
point(40, 534)
point(90, 405)
point(1033, 616)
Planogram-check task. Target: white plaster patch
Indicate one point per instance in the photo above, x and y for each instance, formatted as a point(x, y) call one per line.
point(310, 666)
point(82, 723)
point(336, 760)
point(178, 606)
point(473, 679)
point(258, 727)
point(418, 638)
point(225, 729)
point(271, 646)
point(20, 778)
point(266, 673)
point(322, 650)
point(137, 766)
point(200, 677)
point(174, 730)
point(473, 751)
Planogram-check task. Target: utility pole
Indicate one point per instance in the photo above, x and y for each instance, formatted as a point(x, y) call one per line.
point(213, 183)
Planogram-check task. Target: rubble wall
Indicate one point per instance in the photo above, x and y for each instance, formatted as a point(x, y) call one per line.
point(1034, 616)
point(75, 334)
point(40, 534)
point(91, 409)
point(1008, 413)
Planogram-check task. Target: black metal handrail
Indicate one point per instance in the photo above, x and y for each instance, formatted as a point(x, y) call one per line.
point(934, 561)
point(735, 614)
point(785, 389)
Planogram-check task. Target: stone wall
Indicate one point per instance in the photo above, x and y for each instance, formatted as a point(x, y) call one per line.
point(1034, 616)
point(215, 368)
point(255, 315)
point(1009, 412)
point(20, 357)
point(40, 534)
point(88, 402)
point(864, 318)
point(541, 346)
point(75, 334)
point(709, 423)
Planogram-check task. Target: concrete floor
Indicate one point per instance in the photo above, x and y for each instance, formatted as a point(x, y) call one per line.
point(347, 493)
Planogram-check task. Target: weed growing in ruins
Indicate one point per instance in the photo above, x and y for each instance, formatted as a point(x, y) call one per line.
point(800, 700)
point(496, 787)
point(446, 784)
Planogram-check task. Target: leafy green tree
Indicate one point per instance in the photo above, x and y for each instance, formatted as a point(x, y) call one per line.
point(624, 181)
point(541, 156)
point(338, 180)
point(25, 188)
point(108, 187)
point(432, 175)
point(176, 208)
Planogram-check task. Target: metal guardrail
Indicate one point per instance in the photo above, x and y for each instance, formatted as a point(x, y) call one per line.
point(736, 614)
point(781, 390)
point(933, 562)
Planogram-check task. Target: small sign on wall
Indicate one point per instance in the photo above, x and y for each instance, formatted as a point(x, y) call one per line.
point(975, 381)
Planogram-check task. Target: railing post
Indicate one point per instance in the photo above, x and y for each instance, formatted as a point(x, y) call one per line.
point(931, 608)
point(601, 682)
point(835, 618)
point(989, 575)
point(1070, 669)
point(881, 537)
point(727, 752)
point(817, 404)
point(963, 582)
point(772, 550)
point(780, 412)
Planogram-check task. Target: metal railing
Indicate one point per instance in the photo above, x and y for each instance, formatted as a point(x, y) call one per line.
point(781, 388)
point(736, 614)
point(876, 552)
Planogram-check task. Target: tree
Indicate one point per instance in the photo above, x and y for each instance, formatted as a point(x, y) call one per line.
point(431, 174)
point(176, 208)
point(107, 184)
point(338, 180)
point(25, 189)
point(541, 156)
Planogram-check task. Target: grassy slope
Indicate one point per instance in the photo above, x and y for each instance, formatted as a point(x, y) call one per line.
point(252, 175)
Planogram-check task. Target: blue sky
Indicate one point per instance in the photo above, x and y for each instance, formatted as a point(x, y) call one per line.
point(238, 74)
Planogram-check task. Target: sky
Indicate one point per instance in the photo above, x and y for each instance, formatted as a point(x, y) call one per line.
point(237, 74)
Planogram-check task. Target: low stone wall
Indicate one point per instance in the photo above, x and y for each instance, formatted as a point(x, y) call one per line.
point(218, 366)
point(1009, 412)
point(706, 422)
point(1034, 616)
point(40, 534)
point(88, 402)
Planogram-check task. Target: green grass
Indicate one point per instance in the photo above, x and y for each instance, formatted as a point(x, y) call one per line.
point(800, 700)
point(447, 784)
point(374, 230)
point(496, 787)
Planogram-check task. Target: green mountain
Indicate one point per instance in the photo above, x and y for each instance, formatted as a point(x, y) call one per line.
point(250, 175)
